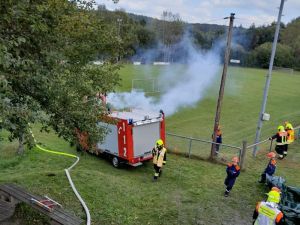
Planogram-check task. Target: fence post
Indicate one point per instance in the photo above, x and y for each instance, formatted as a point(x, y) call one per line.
point(190, 147)
point(271, 145)
point(243, 154)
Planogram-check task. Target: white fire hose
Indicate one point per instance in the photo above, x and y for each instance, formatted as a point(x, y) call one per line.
point(87, 212)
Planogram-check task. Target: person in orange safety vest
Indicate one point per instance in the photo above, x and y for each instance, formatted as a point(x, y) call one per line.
point(290, 136)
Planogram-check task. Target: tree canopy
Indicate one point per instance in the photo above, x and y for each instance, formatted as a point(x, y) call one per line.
point(46, 74)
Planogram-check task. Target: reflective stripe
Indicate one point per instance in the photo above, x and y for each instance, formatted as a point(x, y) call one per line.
point(158, 156)
point(265, 210)
point(283, 136)
point(156, 174)
point(268, 213)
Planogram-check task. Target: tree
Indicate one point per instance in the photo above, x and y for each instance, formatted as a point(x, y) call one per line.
point(283, 57)
point(291, 37)
point(169, 32)
point(123, 28)
point(45, 51)
point(263, 34)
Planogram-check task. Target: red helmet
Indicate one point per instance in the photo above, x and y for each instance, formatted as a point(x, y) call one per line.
point(271, 155)
point(276, 189)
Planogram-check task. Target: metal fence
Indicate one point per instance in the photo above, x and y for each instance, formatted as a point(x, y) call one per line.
point(201, 148)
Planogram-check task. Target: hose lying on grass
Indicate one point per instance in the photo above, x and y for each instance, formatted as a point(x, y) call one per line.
point(87, 212)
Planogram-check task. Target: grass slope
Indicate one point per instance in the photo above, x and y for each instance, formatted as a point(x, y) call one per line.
point(190, 191)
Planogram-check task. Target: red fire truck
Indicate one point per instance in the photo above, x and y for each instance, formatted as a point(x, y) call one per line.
point(132, 136)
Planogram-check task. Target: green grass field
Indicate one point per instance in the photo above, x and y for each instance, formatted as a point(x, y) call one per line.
point(190, 191)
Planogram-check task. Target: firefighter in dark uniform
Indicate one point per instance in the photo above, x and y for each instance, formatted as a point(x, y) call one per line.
point(159, 154)
point(281, 140)
point(271, 167)
point(233, 171)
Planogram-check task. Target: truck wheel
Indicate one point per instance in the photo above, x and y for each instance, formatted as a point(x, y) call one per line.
point(115, 162)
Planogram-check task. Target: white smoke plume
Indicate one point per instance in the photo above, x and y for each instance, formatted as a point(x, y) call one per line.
point(177, 90)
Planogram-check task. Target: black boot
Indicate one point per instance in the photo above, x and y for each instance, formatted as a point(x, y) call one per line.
point(226, 193)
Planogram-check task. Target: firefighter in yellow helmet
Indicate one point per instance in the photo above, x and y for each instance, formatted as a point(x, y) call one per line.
point(281, 140)
point(290, 136)
point(159, 154)
point(267, 212)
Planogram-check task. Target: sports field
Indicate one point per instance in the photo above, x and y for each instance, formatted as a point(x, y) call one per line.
point(190, 191)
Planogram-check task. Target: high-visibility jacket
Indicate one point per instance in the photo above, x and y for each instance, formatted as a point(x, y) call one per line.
point(158, 156)
point(281, 138)
point(290, 136)
point(268, 214)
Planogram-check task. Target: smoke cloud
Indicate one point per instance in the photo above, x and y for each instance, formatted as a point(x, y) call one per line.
point(179, 88)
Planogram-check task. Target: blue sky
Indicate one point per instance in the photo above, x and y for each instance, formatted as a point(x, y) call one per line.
point(260, 12)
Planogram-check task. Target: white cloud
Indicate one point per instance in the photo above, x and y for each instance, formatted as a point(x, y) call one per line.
point(212, 11)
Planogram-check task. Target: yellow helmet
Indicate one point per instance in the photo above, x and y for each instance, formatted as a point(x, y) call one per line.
point(159, 143)
point(280, 128)
point(273, 196)
point(288, 126)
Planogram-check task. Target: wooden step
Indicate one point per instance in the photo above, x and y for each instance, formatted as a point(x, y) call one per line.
point(58, 215)
point(6, 210)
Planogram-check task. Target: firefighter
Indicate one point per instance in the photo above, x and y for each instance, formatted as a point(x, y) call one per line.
point(159, 158)
point(267, 212)
point(233, 171)
point(218, 139)
point(290, 136)
point(281, 137)
point(271, 167)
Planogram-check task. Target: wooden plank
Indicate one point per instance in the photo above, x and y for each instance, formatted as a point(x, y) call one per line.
point(59, 215)
point(60, 210)
point(6, 210)
point(26, 197)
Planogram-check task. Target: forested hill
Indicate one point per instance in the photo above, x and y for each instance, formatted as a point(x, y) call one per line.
point(251, 45)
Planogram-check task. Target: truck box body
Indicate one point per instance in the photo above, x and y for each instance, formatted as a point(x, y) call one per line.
point(133, 135)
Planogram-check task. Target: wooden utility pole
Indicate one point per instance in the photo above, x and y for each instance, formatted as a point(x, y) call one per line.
point(221, 91)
